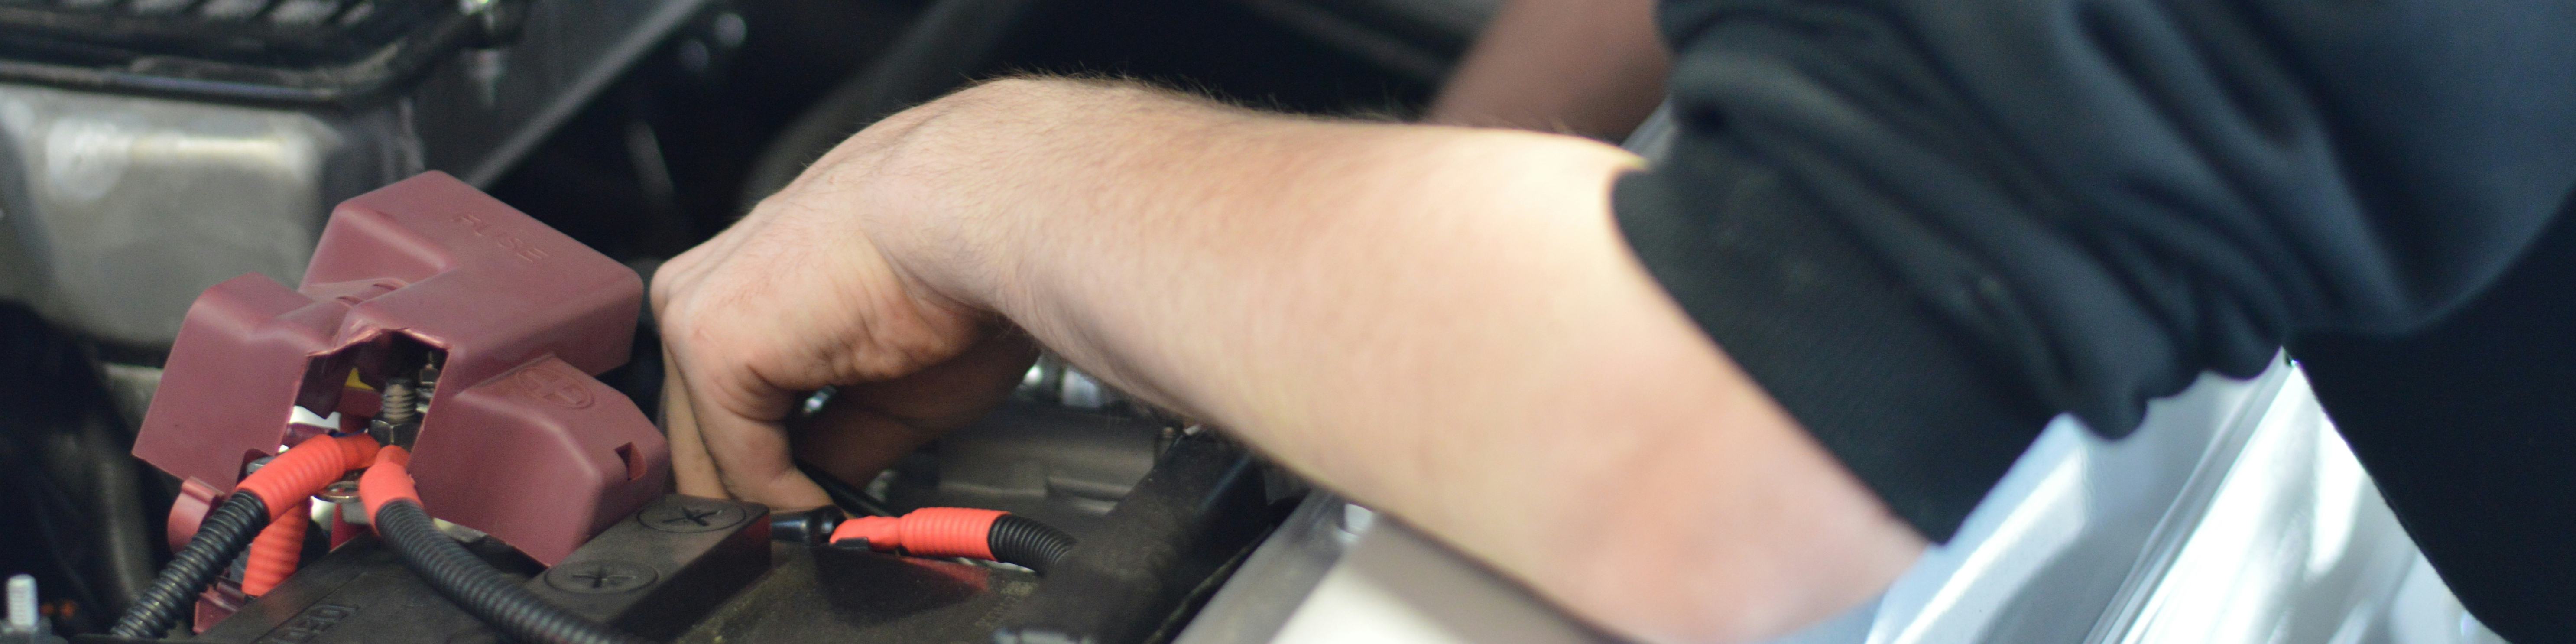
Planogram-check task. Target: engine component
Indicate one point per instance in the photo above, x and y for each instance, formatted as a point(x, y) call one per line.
point(523, 317)
point(653, 574)
point(1201, 509)
point(22, 623)
point(262, 497)
point(1065, 467)
point(394, 506)
point(699, 571)
point(1139, 568)
point(274, 50)
point(159, 163)
point(478, 588)
point(195, 141)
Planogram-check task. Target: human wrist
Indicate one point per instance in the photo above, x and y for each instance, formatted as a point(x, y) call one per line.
point(965, 194)
point(922, 195)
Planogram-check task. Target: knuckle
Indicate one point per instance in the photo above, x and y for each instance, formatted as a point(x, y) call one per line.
point(686, 330)
point(670, 280)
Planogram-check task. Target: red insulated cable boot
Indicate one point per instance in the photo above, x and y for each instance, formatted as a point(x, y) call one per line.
point(287, 486)
point(927, 532)
point(387, 480)
point(274, 554)
point(295, 475)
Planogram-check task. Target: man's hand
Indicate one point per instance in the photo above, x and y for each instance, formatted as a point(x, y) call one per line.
point(797, 297)
point(1441, 322)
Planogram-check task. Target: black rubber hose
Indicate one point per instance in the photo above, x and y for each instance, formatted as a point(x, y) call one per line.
point(481, 590)
point(1021, 540)
point(225, 532)
point(851, 499)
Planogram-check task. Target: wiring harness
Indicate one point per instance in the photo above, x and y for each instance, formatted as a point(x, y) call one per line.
point(272, 505)
point(267, 497)
point(386, 489)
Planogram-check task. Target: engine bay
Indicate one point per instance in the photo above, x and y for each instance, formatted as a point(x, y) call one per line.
point(499, 341)
point(253, 252)
point(452, 341)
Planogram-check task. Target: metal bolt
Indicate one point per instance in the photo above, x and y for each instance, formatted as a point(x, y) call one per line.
point(339, 492)
point(22, 606)
point(401, 402)
point(676, 516)
point(601, 577)
point(343, 497)
point(402, 434)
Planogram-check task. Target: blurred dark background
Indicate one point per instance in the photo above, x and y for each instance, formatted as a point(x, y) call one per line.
point(688, 140)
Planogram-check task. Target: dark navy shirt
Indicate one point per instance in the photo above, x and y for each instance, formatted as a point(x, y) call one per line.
point(1928, 226)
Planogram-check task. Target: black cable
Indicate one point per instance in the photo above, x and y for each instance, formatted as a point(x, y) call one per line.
point(811, 527)
point(849, 497)
point(225, 532)
point(482, 591)
point(1021, 540)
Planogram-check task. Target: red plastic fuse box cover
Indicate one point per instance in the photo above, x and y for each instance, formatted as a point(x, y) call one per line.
point(521, 441)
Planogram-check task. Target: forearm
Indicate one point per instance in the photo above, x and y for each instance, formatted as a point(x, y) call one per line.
point(1442, 322)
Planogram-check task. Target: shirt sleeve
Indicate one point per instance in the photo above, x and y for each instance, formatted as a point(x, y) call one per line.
point(1928, 226)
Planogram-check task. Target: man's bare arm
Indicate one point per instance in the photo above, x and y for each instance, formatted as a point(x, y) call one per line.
point(1441, 322)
